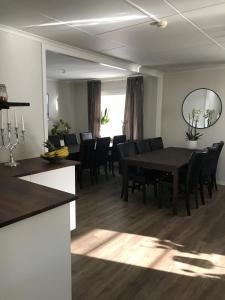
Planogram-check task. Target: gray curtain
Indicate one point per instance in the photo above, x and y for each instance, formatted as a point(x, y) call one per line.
point(94, 107)
point(133, 114)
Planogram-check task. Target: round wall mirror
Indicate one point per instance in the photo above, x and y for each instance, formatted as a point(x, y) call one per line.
point(202, 108)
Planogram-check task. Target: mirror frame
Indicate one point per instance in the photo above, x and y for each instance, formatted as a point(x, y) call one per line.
point(197, 90)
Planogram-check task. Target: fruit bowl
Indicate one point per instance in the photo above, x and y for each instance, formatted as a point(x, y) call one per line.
point(56, 156)
point(53, 160)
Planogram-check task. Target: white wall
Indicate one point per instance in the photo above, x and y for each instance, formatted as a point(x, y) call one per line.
point(176, 86)
point(21, 71)
point(72, 103)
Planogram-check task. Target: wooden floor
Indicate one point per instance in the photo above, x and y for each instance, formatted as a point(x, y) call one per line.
point(135, 251)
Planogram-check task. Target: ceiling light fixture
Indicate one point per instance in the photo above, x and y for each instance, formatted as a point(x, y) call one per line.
point(161, 24)
point(113, 67)
point(156, 21)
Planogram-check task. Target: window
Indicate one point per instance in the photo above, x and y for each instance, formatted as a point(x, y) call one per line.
point(115, 105)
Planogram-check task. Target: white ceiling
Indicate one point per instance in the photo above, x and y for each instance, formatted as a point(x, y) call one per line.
point(65, 67)
point(195, 32)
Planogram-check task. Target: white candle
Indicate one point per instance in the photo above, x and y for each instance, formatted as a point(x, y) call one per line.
point(2, 120)
point(8, 119)
point(22, 119)
point(15, 117)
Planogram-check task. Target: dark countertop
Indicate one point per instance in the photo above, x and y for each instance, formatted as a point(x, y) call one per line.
point(22, 199)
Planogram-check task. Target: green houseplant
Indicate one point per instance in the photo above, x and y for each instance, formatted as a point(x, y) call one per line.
point(60, 128)
point(105, 117)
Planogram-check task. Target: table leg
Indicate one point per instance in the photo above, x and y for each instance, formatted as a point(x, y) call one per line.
point(175, 191)
point(125, 182)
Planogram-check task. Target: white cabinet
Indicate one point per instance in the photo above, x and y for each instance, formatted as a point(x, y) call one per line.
point(62, 179)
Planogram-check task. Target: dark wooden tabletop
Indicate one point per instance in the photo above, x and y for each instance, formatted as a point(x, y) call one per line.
point(165, 159)
point(20, 199)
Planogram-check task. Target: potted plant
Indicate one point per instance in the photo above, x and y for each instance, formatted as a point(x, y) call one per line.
point(192, 136)
point(105, 117)
point(60, 128)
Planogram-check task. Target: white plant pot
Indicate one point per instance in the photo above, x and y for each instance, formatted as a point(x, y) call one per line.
point(192, 144)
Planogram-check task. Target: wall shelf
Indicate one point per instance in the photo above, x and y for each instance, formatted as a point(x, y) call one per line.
point(7, 105)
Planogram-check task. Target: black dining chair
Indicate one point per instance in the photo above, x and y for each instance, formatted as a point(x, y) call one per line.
point(219, 147)
point(143, 146)
point(156, 143)
point(54, 140)
point(114, 154)
point(87, 160)
point(70, 139)
point(85, 136)
point(134, 174)
point(101, 155)
point(189, 181)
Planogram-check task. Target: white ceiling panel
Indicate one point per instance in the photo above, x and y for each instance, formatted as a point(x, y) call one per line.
point(203, 55)
point(140, 56)
point(80, 9)
point(211, 20)
point(157, 8)
point(186, 5)
point(65, 67)
point(75, 37)
point(18, 15)
point(178, 35)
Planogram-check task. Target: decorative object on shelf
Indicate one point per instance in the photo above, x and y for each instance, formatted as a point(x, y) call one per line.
point(192, 136)
point(3, 93)
point(105, 117)
point(10, 138)
point(7, 105)
point(60, 128)
point(54, 155)
point(207, 102)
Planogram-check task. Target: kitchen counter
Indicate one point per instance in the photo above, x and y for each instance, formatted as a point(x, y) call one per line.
point(37, 212)
point(21, 199)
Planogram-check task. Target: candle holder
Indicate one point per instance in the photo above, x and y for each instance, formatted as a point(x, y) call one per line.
point(11, 145)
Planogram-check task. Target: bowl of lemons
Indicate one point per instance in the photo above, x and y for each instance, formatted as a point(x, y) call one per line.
point(55, 155)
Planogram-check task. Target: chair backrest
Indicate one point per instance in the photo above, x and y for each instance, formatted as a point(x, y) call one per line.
point(126, 149)
point(219, 147)
point(102, 150)
point(54, 140)
point(85, 136)
point(70, 139)
point(156, 143)
point(208, 163)
point(87, 152)
point(117, 139)
point(194, 170)
point(143, 146)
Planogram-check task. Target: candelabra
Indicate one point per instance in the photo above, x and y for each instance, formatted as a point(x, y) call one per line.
point(10, 140)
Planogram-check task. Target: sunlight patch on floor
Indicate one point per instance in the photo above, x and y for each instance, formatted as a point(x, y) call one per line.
point(148, 252)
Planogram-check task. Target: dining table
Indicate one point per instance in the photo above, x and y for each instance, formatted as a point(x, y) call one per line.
point(170, 160)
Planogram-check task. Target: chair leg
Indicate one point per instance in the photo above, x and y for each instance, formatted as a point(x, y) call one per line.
point(214, 182)
point(196, 198)
point(160, 195)
point(202, 193)
point(155, 189)
point(187, 200)
point(133, 186)
point(209, 189)
point(106, 172)
point(113, 174)
point(144, 193)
